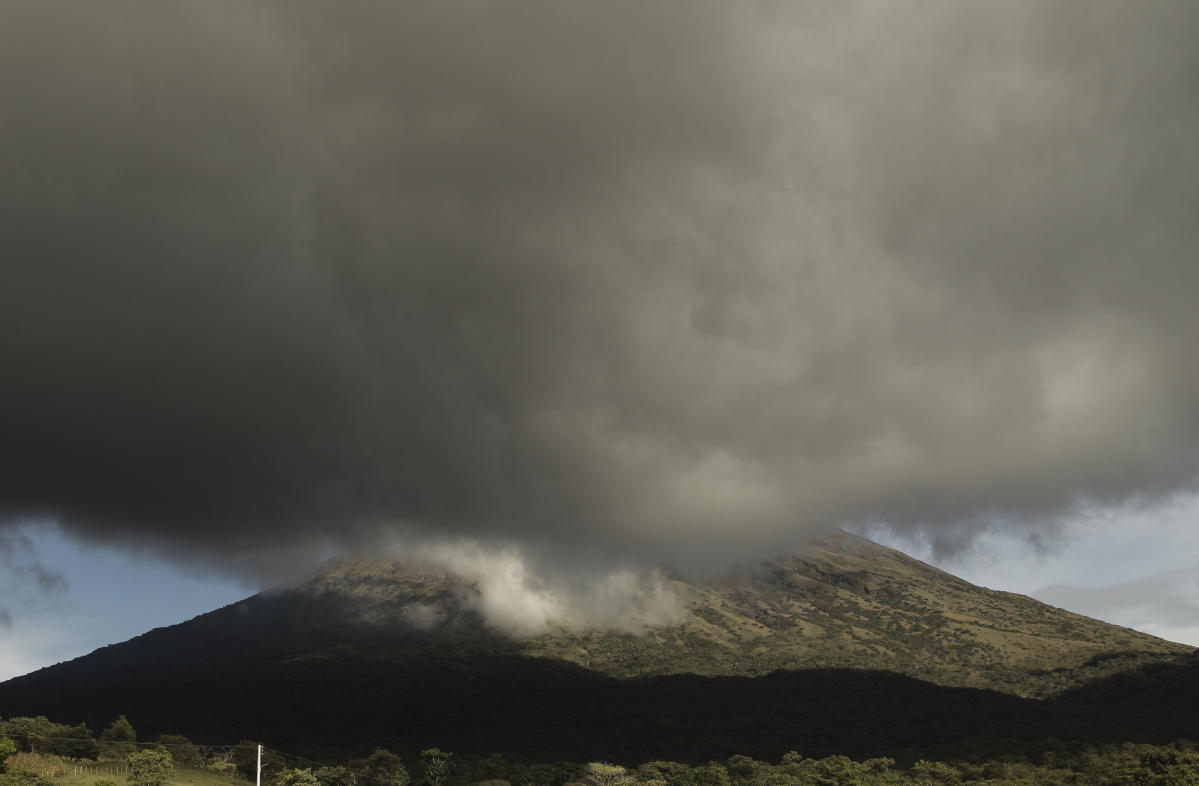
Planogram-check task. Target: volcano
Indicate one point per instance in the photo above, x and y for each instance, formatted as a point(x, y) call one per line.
point(843, 647)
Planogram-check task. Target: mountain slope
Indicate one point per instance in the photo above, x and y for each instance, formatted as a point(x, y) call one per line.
point(842, 602)
point(799, 653)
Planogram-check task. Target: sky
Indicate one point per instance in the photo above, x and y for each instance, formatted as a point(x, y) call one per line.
point(1138, 568)
point(597, 284)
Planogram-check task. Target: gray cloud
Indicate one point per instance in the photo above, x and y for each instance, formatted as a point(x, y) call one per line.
point(281, 278)
point(1163, 604)
point(25, 581)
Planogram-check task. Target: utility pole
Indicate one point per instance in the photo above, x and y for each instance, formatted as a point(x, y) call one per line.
point(258, 778)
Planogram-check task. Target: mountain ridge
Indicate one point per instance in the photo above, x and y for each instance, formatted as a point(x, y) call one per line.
point(842, 601)
point(835, 647)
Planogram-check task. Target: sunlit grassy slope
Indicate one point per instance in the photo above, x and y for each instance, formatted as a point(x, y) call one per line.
point(842, 602)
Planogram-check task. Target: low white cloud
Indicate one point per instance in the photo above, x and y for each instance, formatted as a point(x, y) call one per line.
point(424, 616)
point(522, 599)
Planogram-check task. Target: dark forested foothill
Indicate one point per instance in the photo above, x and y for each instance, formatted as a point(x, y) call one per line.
point(539, 709)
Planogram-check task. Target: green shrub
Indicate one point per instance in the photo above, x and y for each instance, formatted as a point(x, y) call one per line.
point(438, 765)
point(22, 778)
point(336, 776)
point(300, 776)
point(7, 748)
point(151, 767)
point(221, 767)
point(182, 750)
point(382, 768)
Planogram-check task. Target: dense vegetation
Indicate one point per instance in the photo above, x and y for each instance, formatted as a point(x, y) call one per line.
point(33, 754)
point(476, 703)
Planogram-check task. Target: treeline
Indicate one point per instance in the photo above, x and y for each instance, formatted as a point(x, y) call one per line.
point(40, 735)
point(36, 751)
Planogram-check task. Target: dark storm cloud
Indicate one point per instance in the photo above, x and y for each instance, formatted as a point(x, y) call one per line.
point(278, 278)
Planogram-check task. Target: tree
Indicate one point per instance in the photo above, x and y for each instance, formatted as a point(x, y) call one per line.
point(339, 776)
point(437, 766)
point(245, 758)
point(935, 773)
point(151, 767)
point(671, 772)
point(383, 768)
point(710, 774)
point(742, 768)
point(117, 740)
point(75, 742)
point(598, 773)
point(120, 730)
point(32, 734)
point(493, 768)
point(544, 774)
point(300, 776)
point(40, 735)
point(7, 748)
point(220, 762)
point(879, 766)
point(182, 750)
